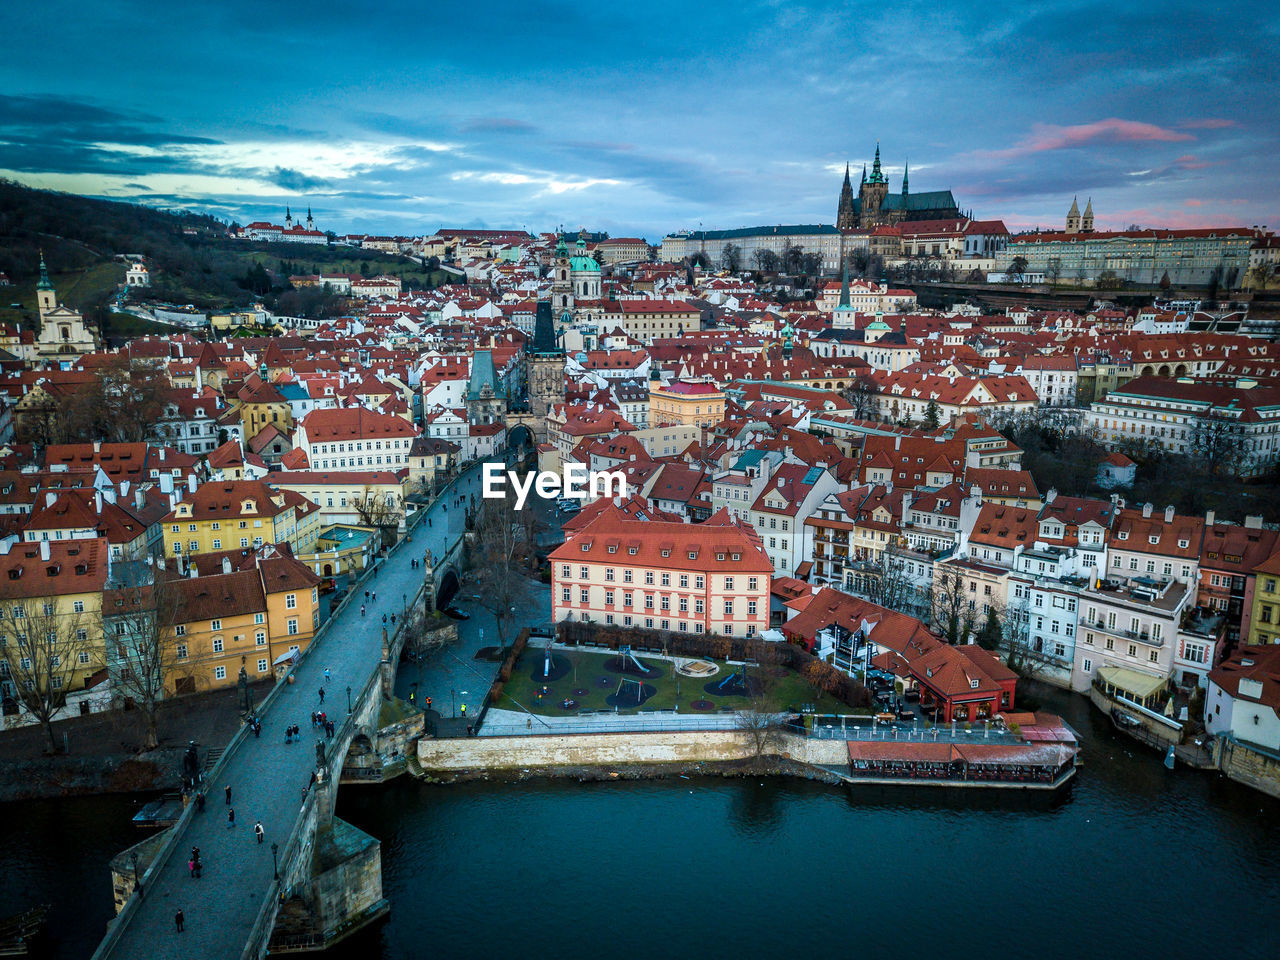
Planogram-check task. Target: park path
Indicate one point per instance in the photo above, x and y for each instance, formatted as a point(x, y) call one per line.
point(267, 776)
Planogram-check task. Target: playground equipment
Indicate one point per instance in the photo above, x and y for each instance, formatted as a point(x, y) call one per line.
point(630, 693)
point(739, 673)
point(698, 669)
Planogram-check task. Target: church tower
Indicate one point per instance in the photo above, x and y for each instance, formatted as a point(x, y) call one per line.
point(288, 218)
point(874, 189)
point(46, 296)
point(561, 281)
point(1073, 216)
point(1086, 226)
point(846, 216)
point(905, 174)
point(545, 363)
point(311, 224)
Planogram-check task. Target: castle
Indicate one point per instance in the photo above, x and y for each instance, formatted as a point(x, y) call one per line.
point(875, 206)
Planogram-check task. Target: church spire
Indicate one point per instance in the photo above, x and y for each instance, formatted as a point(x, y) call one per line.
point(877, 176)
point(844, 284)
point(44, 282)
point(846, 174)
point(905, 171)
point(864, 173)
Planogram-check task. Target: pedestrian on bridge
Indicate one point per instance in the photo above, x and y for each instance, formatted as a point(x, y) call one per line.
point(178, 920)
point(375, 596)
point(322, 694)
point(258, 831)
point(231, 818)
point(366, 594)
point(362, 609)
point(464, 710)
point(228, 794)
point(326, 674)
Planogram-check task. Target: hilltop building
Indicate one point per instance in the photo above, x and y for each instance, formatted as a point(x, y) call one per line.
point(874, 206)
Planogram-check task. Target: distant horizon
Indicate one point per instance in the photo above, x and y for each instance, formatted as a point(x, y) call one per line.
point(642, 123)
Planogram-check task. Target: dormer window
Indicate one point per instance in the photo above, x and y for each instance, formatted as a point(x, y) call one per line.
point(1153, 538)
point(613, 548)
point(586, 547)
point(666, 553)
point(632, 550)
point(973, 684)
point(719, 556)
point(1183, 544)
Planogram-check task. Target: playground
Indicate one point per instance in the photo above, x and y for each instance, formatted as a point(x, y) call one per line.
point(568, 682)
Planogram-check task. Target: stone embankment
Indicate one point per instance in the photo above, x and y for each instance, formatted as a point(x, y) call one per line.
point(42, 778)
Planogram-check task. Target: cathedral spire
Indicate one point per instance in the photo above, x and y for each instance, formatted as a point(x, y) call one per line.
point(905, 171)
point(846, 174)
point(864, 173)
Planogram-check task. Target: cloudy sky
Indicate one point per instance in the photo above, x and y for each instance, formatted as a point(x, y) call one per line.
point(644, 118)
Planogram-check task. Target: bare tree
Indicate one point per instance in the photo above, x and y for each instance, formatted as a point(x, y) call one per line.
point(766, 260)
point(46, 645)
point(1017, 269)
point(376, 510)
point(1053, 270)
point(1216, 441)
point(497, 540)
point(1025, 655)
point(891, 587)
point(864, 394)
point(731, 257)
point(142, 646)
point(759, 723)
point(953, 614)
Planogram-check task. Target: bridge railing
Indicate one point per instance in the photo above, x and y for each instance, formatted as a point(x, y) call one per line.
point(118, 924)
point(334, 747)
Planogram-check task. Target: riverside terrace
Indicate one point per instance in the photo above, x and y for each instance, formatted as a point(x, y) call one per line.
point(231, 911)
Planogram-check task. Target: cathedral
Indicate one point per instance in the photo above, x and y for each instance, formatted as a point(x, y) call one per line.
point(875, 206)
point(1076, 224)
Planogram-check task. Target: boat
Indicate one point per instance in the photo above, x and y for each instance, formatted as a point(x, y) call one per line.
point(1125, 721)
point(19, 932)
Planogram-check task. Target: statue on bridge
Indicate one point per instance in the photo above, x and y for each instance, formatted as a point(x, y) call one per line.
point(191, 766)
point(245, 694)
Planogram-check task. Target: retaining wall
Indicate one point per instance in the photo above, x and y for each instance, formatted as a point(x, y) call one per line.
point(601, 749)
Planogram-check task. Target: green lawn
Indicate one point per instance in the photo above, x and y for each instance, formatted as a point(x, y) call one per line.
point(781, 692)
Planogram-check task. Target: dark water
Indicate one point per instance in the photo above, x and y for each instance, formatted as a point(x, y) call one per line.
point(56, 852)
point(1134, 861)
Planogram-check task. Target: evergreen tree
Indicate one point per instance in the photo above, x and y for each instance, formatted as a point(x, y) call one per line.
point(932, 418)
point(991, 633)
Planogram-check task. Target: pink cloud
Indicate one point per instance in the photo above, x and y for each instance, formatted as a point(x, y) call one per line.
point(1189, 161)
point(1207, 123)
point(1046, 136)
point(1159, 217)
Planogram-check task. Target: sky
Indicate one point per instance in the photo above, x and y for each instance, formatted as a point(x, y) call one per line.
point(642, 119)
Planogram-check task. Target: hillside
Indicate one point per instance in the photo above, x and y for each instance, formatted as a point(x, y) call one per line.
point(191, 260)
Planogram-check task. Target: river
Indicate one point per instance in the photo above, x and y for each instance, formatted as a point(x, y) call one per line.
point(1132, 861)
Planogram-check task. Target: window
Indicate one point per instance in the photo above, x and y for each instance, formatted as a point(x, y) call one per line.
point(666, 579)
point(260, 638)
point(608, 573)
point(290, 601)
point(608, 598)
point(259, 618)
point(648, 578)
point(753, 583)
point(564, 571)
point(292, 626)
point(728, 583)
point(217, 644)
point(584, 573)
point(78, 606)
point(262, 666)
point(219, 673)
point(584, 595)
point(215, 624)
point(728, 608)
point(566, 595)
point(1087, 665)
point(180, 630)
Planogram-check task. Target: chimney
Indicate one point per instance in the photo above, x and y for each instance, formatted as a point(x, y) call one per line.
point(49, 498)
point(97, 502)
point(139, 498)
point(162, 453)
point(1209, 517)
point(44, 549)
point(1051, 496)
point(1253, 522)
point(1146, 511)
point(166, 483)
point(191, 483)
point(226, 564)
point(897, 441)
point(1168, 514)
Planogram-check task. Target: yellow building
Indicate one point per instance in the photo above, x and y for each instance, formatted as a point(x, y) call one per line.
point(365, 497)
point(261, 406)
point(233, 514)
point(1264, 619)
point(245, 618)
point(685, 402)
point(51, 623)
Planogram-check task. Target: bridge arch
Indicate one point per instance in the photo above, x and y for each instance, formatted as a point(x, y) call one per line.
point(448, 589)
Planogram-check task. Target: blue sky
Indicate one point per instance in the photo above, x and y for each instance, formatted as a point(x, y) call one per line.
point(646, 118)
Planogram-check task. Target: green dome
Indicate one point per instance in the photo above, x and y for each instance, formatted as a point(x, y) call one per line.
point(583, 264)
point(878, 325)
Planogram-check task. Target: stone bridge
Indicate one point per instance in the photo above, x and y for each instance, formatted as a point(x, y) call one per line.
point(315, 878)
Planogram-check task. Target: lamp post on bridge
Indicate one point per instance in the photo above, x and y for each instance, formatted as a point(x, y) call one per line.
point(275, 860)
point(348, 700)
